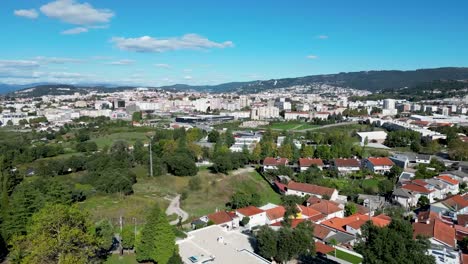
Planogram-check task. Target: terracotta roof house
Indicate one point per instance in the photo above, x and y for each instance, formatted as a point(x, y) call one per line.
point(346, 166)
point(273, 163)
point(306, 163)
point(302, 189)
point(310, 214)
point(379, 165)
point(275, 214)
point(462, 219)
point(353, 223)
point(329, 209)
point(451, 206)
point(438, 232)
point(222, 217)
point(322, 248)
point(257, 216)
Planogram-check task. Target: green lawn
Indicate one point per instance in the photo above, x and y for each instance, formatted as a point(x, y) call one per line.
point(125, 259)
point(130, 137)
point(346, 256)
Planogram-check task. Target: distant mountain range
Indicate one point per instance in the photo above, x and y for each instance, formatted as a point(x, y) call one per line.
point(365, 80)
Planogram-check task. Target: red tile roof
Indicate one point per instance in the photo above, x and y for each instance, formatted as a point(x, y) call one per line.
point(294, 223)
point(281, 186)
point(275, 161)
point(325, 207)
point(308, 162)
point(381, 161)
point(464, 259)
point(321, 232)
point(462, 219)
point(311, 188)
point(416, 188)
point(221, 217)
point(355, 221)
point(457, 201)
point(322, 248)
point(448, 179)
point(436, 229)
point(347, 163)
point(307, 211)
point(275, 213)
point(249, 210)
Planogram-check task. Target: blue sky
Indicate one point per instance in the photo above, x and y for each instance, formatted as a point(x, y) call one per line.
point(154, 42)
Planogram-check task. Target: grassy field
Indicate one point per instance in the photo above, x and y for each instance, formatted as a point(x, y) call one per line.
point(130, 137)
point(214, 193)
point(125, 259)
point(291, 125)
point(346, 256)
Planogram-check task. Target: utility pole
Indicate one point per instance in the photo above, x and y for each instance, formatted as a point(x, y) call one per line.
point(135, 231)
point(151, 156)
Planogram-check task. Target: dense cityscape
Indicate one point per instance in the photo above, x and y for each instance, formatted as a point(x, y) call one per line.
point(229, 152)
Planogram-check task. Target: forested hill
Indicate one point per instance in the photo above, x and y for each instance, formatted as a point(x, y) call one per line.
point(423, 91)
point(365, 80)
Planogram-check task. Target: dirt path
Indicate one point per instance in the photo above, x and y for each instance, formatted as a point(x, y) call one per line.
point(174, 208)
point(243, 170)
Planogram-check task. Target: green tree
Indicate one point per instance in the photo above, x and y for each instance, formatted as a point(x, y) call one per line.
point(307, 151)
point(213, 136)
point(57, 234)
point(128, 237)
point(267, 240)
point(157, 243)
point(350, 209)
point(105, 235)
point(181, 164)
point(229, 138)
point(222, 163)
point(137, 116)
point(423, 201)
point(393, 244)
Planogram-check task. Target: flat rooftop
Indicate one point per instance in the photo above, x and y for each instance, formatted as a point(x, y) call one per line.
point(214, 244)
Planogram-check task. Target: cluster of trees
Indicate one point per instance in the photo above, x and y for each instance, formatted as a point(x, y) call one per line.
point(393, 244)
point(426, 171)
point(413, 140)
point(243, 199)
point(458, 150)
point(286, 243)
point(176, 152)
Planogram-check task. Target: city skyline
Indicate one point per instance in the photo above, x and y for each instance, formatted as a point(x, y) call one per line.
point(159, 43)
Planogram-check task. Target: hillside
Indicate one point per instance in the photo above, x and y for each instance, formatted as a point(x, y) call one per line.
point(382, 81)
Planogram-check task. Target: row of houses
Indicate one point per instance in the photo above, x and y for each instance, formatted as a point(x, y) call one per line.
point(379, 165)
point(409, 191)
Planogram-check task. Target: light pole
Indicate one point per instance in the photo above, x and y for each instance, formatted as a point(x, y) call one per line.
point(151, 153)
point(135, 230)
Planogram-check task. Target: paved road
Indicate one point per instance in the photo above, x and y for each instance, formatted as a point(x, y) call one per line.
point(174, 208)
point(319, 127)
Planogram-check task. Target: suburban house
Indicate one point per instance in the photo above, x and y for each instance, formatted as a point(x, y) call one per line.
point(273, 163)
point(310, 214)
point(439, 233)
point(346, 166)
point(379, 165)
point(328, 209)
point(257, 216)
point(452, 206)
point(275, 214)
point(420, 188)
point(303, 189)
point(224, 219)
point(306, 163)
point(405, 197)
point(453, 185)
point(423, 159)
point(353, 223)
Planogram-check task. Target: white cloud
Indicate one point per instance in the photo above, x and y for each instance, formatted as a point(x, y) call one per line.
point(187, 70)
point(150, 44)
point(312, 57)
point(27, 13)
point(57, 60)
point(188, 77)
point(162, 65)
point(121, 62)
point(322, 37)
point(72, 12)
point(74, 31)
point(18, 64)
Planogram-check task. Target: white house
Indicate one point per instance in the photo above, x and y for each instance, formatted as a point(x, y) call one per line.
point(346, 166)
point(257, 216)
point(273, 163)
point(303, 189)
point(379, 165)
point(306, 163)
point(373, 136)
